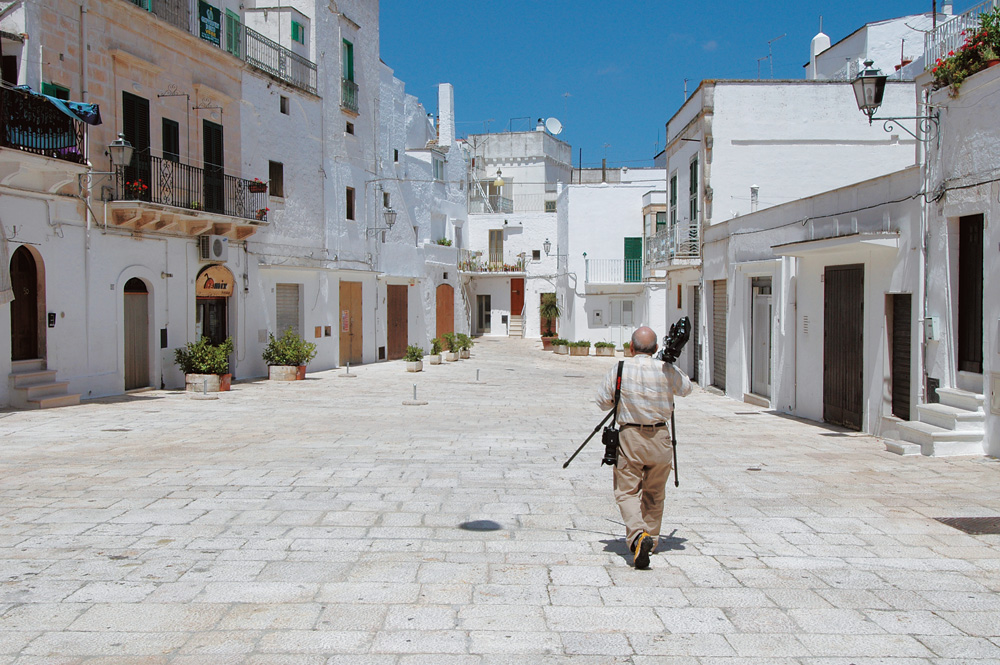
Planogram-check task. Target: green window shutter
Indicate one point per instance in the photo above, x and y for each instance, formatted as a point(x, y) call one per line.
point(348, 60)
point(234, 33)
point(633, 259)
point(53, 90)
point(298, 32)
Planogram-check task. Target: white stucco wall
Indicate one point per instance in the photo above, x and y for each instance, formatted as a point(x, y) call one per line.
point(967, 180)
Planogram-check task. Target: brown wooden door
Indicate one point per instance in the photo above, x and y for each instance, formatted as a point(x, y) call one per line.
point(445, 309)
point(24, 308)
point(843, 345)
point(516, 295)
point(397, 297)
point(136, 335)
point(901, 333)
point(970, 294)
point(351, 330)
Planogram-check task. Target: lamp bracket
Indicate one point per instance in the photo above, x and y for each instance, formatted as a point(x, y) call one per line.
point(925, 123)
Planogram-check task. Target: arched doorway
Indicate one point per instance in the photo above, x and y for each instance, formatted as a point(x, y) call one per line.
point(27, 328)
point(445, 309)
point(136, 334)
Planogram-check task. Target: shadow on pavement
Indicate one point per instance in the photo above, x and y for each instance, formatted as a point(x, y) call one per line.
point(666, 544)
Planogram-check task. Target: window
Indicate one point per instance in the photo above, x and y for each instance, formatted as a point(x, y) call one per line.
point(276, 174)
point(673, 200)
point(550, 206)
point(54, 90)
point(347, 60)
point(283, 104)
point(9, 69)
point(350, 203)
point(298, 32)
point(349, 128)
point(678, 296)
point(385, 200)
point(171, 140)
point(395, 155)
point(693, 191)
point(536, 255)
point(661, 221)
point(438, 168)
point(234, 33)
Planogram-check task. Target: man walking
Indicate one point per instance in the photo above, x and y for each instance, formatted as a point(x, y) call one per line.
point(648, 387)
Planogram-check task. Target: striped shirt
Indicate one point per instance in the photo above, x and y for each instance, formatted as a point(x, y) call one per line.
point(648, 389)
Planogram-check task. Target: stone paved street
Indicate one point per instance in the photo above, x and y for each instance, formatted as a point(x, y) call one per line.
point(318, 523)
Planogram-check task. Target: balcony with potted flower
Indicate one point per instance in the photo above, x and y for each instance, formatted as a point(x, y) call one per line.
point(963, 46)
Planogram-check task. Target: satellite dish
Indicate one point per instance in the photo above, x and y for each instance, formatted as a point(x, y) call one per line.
point(554, 126)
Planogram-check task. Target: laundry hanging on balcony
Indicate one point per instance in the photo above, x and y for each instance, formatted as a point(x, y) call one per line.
point(82, 111)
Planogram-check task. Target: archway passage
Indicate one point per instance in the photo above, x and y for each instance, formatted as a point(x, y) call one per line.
point(24, 309)
point(445, 309)
point(136, 334)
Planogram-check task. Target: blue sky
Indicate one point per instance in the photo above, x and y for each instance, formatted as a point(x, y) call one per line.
point(623, 63)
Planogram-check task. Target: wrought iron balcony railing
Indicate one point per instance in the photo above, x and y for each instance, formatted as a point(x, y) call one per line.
point(349, 95)
point(684, 241)
point(34, 125)
point(274, 59)
point(490, 262)
point(949, 36)
point(613, 271)
point(164, 181)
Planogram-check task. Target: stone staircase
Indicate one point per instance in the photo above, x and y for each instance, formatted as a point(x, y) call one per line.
point(516, 327)
point(955, 426)
point(35, 387)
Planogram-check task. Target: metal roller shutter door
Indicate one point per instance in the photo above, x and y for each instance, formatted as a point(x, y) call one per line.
point(719, 310)
point(287, 305)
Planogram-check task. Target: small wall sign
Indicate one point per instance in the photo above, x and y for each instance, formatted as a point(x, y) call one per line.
point(208, 21)
point(345, 321)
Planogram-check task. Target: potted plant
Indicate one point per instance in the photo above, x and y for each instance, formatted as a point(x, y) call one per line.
point(627, 348)
point(980, 50)
point(414, 358)
point(258, 186)
point(136, 189)
point(580, 348)
point(451, 343)
point(435, 355)
point(560, 346)
point(196, 205)
point(464, 345)
point(604, 349)
point(444, 242)
point(287, 357)
point(549, 311)
point(205, 366)
point(547, 339)
point(262, 214)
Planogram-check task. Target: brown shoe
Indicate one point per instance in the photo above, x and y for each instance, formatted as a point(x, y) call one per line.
point(643, 546)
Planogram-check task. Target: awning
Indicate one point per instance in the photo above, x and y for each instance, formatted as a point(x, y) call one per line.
point(88, 113)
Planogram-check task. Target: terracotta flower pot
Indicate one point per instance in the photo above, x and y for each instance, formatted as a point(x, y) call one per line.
point(546, 344)
point(301, 374)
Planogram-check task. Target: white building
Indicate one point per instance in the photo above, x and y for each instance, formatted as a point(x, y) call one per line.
point(270, 143)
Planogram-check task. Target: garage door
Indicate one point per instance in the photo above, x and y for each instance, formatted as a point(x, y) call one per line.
point(719, 311)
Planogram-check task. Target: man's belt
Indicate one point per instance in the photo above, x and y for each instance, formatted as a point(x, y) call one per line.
point(641, 425)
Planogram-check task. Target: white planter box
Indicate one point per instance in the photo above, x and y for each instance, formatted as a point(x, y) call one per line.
point(450, 357)
point(414, 366)
point(283, 373)
point(434, 359)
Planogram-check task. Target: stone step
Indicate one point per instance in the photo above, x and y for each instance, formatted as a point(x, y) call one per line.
point(51, 389)
point(53, 401)
point(32, 377)
point(32, 365)
point(937, 441)
point(962, 399)
point(951, 417)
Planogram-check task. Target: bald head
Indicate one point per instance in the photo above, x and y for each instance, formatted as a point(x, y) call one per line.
point(644, 341)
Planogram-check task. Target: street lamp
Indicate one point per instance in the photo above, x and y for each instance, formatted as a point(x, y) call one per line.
point(390, 218)
point(546, 246)
point(498, 183)
point(869, 89)
point(121, 151)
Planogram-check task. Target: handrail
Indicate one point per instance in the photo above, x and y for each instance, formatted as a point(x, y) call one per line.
point(34, 125)
point(949, 36)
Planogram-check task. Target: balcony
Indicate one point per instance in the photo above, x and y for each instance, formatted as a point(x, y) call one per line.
point(32, 124)
point(613, 271)
point(948, 36)
point(680, 242)
point(160, 194)
point(248, 45)
point(511, 198)
point(349, 95)
point(490, 262)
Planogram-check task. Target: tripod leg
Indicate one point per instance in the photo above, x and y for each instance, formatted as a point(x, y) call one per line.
point(587, 440)
point(673, 444)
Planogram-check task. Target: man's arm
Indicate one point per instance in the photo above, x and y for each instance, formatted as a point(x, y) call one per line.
point(679, 381)
point(606, 393)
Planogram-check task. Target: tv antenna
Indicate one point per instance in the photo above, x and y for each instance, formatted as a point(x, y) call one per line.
point(769, 56)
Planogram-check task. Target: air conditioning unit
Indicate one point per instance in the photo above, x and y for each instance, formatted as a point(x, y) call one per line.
point(213, 248)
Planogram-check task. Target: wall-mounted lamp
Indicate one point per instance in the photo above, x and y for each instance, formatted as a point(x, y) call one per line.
point(121, 151)
point(869, 89)
point(499, 180)
point(390, 218)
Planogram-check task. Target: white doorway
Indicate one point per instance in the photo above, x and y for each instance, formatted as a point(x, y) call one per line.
point(760, 337)
point(621, 321)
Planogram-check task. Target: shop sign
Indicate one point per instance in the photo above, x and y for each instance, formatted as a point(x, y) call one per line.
point(345, 321)
point(214, 282)
point(208, 20)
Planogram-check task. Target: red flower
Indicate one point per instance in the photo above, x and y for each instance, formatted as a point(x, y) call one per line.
point(951, 53)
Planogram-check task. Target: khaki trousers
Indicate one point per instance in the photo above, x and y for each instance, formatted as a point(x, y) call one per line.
point(644, 462)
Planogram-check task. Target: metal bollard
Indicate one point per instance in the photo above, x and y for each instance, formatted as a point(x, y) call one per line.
point(204, 386)
point(477, 376)
point(414, 392)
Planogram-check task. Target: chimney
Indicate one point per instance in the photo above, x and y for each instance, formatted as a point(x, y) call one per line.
point(446, 111)
point(754, 198)
point(946, 8)
point(540, 127)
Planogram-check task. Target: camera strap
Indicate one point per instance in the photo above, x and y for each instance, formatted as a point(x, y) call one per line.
point(618, 394)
